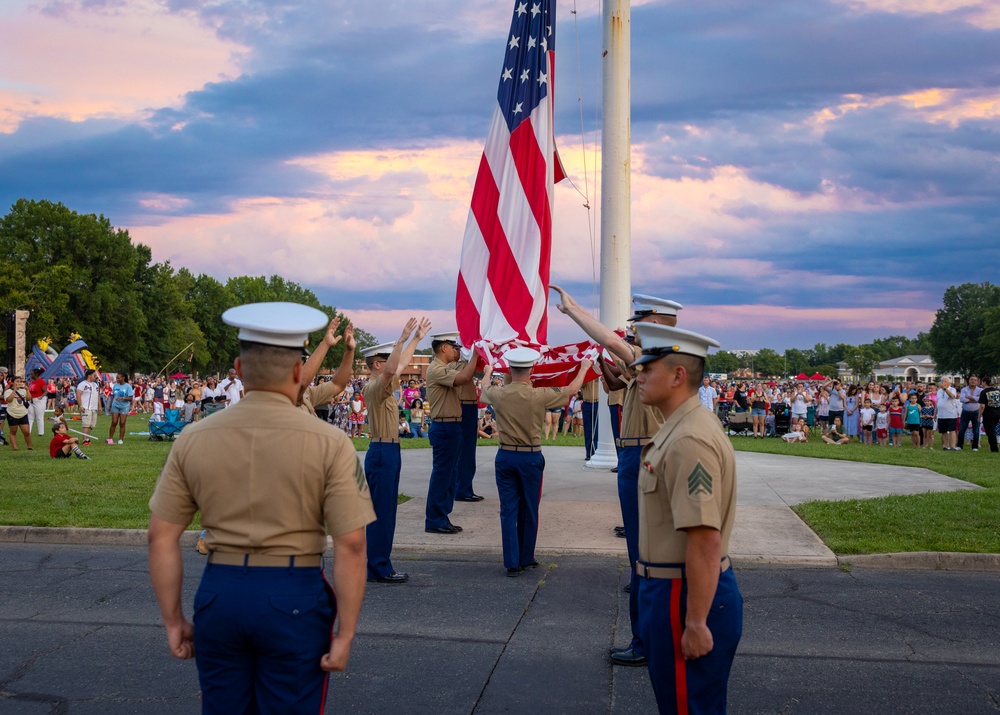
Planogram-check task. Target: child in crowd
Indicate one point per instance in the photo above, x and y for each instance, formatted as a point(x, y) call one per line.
point(927, 414)
point(404, 427)
point(867, 422)
point(190, 408)
point(913, 418)
point(57, 416)
point(799, 434)
point(62, 444)
point(895, 422)
point(882, 427)
point(836, 434)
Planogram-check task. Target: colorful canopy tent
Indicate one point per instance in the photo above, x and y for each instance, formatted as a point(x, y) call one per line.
point(179, 376)
point(817, 377)
point(801, 376)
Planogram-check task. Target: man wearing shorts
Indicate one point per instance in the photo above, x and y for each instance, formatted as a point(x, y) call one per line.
point(88, 397)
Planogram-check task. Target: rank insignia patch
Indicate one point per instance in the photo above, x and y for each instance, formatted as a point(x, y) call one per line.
point(699, 482)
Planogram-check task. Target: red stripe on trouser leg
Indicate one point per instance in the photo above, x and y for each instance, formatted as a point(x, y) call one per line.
point(676, 628)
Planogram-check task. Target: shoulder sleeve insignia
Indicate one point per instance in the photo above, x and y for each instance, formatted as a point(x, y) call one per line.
point(699, 482)
point(359, 476)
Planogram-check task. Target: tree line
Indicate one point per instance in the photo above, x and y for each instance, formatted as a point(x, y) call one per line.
point(964, 340)
point(78, 273)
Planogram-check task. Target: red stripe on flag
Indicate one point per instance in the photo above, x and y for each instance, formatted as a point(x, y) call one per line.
point(503, 273)
point(466, 313)
point(676, 628)
point(531, 168)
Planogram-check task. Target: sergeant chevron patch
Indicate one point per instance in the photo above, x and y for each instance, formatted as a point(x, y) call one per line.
point(699, 482)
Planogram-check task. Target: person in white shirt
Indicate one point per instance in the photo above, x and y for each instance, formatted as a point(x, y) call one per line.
point(232, 387)
point(88, 398)
point(948, 409)
point(707, 395)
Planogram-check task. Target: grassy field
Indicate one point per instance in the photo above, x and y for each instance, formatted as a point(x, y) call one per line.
point(112, 488)
point(943, 521)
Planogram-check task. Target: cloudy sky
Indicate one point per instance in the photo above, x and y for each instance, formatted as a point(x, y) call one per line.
point(803, 172)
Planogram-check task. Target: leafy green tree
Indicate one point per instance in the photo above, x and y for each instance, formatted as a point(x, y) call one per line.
point(960, 337)
point(74, 272)
point(861, 360)
point(797, 361)
point(768, 363)
point(722, 361)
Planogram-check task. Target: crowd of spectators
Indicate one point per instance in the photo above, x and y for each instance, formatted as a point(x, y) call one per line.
point(871, 413)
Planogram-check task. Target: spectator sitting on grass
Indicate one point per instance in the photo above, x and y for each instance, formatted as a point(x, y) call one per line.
point(404, 427)
point(488, 428)
point(62, 444)
point(836, 434)
point(799, 434)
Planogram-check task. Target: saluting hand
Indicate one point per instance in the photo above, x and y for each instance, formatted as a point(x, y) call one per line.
point(696, 641)
point(331, 338)
point(349, 340)
point(408, 329)
point(180, 638)
point(423, 328)
point(567, 304)
point(336, 659)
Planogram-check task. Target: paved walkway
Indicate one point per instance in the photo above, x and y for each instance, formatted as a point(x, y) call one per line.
point(580, 506)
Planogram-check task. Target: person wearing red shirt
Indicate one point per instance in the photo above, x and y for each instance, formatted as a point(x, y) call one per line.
point(62, 444)
point(895, 422)
point(38, 391)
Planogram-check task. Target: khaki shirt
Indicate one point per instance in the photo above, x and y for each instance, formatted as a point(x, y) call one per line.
point(639, 421)
point(520, 410)
point(319, 395)
point(592, 391)
point(469, 392)
point(441, 390)
point(616, 397)
point(267, 477)
point(687, 478)
point(383, 412)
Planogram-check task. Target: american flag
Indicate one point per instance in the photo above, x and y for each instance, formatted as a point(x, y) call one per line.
point(503, 280)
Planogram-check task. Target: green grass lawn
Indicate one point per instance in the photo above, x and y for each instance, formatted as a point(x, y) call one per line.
point(943, 521)
point(112, 488)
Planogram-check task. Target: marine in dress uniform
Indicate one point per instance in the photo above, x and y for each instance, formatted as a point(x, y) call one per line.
point(520, 412)
point(468, 395)
point(270, 482)
point(690, 607)
point(315, 396)
point(443, 380)
point(639, 424)
point(383, 461)
point(591, 400)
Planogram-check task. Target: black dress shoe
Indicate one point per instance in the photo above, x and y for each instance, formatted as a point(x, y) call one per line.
point(513, 573)
point(474, 497)
point(532, 565)
point(627, 588)
point(627, 657)
point(443, 530)
point(615, 470)
point(620, 534)
point(456, 527)
point(394, 577)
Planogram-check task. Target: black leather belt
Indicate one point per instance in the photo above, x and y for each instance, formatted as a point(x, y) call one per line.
point(672, 570)
point(231, 558)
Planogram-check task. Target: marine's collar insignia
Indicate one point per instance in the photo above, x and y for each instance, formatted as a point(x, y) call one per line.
point(699, 482)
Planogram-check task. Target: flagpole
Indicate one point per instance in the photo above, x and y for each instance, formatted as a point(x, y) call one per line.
point(616, 195)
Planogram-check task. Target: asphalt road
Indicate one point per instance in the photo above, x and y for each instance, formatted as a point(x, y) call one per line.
point(79, 633)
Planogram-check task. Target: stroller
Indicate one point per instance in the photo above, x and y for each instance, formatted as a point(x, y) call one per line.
point(782, 418)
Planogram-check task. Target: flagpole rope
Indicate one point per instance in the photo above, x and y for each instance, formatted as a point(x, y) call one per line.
point(591, 214)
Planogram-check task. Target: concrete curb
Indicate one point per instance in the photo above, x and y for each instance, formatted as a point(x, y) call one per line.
point(924, 561)
point(915, 561)
point(76, 535)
